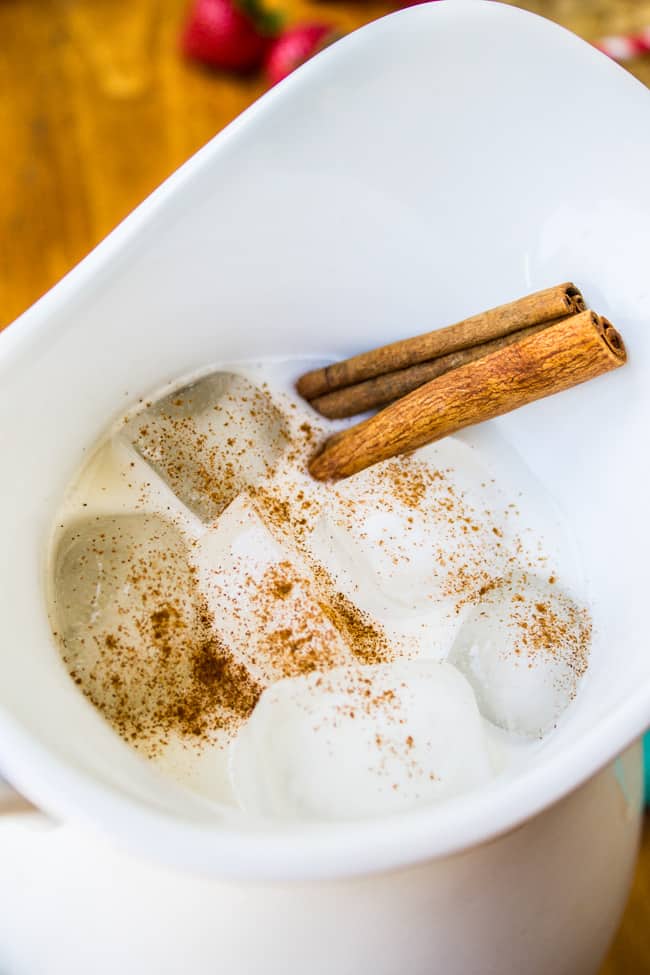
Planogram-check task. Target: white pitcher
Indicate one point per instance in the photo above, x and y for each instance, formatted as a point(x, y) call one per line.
point(442, 160)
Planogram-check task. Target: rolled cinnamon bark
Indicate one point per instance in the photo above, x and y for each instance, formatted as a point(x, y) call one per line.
point(384, 389)
point(542, 306)
point(570, 352)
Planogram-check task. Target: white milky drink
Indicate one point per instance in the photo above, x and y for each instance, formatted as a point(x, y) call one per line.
point(306, 650)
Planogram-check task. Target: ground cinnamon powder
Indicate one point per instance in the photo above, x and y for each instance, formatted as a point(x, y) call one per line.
point(149, 658)
point(152, 660)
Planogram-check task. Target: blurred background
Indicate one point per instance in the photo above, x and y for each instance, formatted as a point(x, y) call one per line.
point(100, 100)
point(98, 105)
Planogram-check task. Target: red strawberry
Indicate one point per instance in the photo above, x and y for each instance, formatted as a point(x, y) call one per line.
point(231, 34)
point(294, 47)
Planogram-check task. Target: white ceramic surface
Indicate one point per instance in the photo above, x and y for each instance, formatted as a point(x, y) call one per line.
point(396, 182)
point(543, 900)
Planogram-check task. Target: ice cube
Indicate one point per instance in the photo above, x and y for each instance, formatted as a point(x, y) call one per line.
point(359, 742)
point(136, 635)
point(266, 605)
point(524, 648)
point(406, 530)
point(211, 439)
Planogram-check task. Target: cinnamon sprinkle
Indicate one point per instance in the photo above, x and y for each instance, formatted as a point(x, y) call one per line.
point(150, 661)
point(153, 660)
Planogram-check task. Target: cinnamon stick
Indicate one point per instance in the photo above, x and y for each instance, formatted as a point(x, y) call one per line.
point(542, 306)
point(384, 389)
point(570, 352)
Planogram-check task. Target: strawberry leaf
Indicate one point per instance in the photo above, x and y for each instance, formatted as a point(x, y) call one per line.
point(268, 22)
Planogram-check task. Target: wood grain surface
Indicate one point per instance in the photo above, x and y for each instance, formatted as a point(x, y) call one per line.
point(97, 108)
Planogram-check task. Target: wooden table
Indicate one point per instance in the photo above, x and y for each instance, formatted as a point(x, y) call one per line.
point(96, 109)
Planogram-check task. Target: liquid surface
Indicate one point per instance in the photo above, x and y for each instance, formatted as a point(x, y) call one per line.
point(311, 650)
